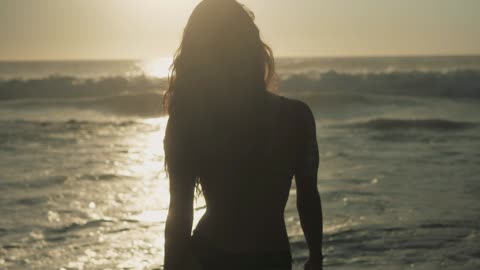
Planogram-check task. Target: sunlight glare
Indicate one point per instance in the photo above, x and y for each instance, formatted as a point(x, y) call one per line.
point(153, 216)
point(156, 67)
point(150, 158)
point(147, 160)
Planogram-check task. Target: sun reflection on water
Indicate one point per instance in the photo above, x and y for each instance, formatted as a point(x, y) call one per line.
point(125, 219)
point(147, 155)
point(152, 199)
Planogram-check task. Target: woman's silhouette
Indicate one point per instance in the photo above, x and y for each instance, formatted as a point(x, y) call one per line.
point(241, 143)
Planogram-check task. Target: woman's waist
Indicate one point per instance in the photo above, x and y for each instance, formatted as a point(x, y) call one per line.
point(215, 258)
point(246, 236)
point(233, 220)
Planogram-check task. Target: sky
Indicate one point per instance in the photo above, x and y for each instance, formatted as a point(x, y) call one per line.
point(142, 29)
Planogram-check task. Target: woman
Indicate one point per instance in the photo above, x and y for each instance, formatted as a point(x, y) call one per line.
point(242, 144)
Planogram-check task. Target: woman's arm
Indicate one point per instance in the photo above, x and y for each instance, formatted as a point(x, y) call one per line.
point(310, 211)
point(179, 221)
point(308, 198)
point(182, 187)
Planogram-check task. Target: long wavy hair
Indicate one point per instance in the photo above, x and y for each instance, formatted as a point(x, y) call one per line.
point(219, 74)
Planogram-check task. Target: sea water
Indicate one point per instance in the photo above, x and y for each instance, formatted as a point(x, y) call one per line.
point(82, 184)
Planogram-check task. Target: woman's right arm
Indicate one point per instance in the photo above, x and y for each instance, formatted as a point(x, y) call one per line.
point(308, 198)
point(179, 222)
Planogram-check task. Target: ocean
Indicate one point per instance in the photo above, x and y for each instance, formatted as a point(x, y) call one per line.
point(82, 184)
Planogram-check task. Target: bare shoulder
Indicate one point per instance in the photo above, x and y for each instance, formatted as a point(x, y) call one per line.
point(298, 109)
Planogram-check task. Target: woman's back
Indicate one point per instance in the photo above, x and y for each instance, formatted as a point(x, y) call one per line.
point(246, 198)
point(246, 191)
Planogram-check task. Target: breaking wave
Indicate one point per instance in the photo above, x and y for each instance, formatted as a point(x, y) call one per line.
point(459, 83)
point(426, 124)
point(452, 84)
point(64, 87)
point(142, 95)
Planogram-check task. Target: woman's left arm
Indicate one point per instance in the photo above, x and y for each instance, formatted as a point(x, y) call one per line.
point(178, 227)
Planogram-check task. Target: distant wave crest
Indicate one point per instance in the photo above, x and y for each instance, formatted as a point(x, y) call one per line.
point(429, 124)
point(136, 96)
point(459, 83)
point(452, 84)
point(64, 87)
point(142, 96)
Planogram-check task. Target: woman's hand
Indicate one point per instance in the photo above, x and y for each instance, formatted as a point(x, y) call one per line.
point(192, 263)
point(314, 264)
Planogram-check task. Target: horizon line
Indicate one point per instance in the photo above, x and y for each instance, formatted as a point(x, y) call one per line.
point(277, 57)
